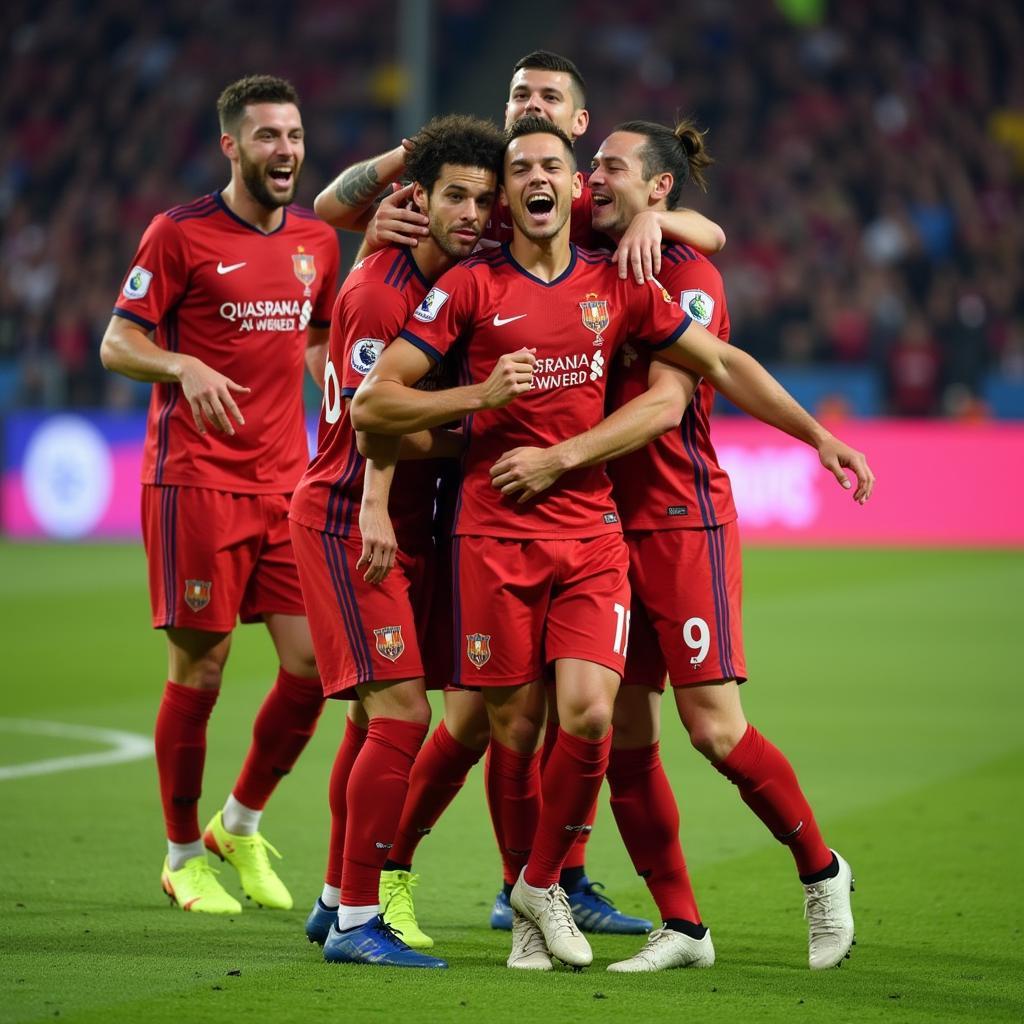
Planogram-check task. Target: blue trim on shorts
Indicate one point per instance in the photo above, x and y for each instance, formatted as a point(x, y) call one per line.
point(333, 548)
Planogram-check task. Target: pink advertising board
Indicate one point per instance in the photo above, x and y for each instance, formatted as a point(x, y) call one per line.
point(74, 476)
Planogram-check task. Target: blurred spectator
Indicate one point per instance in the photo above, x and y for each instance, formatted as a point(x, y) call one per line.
point(915, 371)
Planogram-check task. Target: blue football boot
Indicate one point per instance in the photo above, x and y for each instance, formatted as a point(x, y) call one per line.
point(374, 943)
point(318, 924)
point(594, 912)
point(501, 913)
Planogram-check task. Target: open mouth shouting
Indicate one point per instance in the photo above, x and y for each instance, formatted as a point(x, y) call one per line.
point(540, 208)
point(281, 177)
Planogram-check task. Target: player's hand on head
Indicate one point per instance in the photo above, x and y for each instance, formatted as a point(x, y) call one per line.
point(838, 457)
point(210, 396)
point(512, 376)
point(396, 221)
point(639, 251)
point(380, 547)
point(525, 471)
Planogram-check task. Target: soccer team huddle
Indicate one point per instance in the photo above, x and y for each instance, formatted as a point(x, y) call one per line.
point(514, 500)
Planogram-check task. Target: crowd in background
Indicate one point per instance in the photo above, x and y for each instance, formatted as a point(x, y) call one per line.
point(869, 167)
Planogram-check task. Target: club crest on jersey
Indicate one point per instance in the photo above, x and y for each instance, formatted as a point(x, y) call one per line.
point(699, 305)
point(197, 594)
point(390, 644)
point(431, 305)
point(304, 265)
point(478, 648)
point(364, 354)
point(595, 315)
point(137, 284)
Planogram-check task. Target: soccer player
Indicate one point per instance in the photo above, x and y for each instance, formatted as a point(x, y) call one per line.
point(678, 517)
point(545, 583)
point(548, 85)
point(372, 630)
point(227, 298)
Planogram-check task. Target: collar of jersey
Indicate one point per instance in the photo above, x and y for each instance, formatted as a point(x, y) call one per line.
point(245, 224)
point(546, 284)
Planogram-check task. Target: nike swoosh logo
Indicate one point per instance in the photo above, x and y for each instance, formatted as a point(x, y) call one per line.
point(500, 322)
point(221, 269)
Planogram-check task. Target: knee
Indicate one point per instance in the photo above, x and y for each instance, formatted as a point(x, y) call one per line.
point(715, 738)
point(589, 723)
point(475, 734)
point(205, 674)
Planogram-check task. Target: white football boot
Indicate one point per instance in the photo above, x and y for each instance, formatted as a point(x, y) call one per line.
point(666, 949)
point(549, 910)
point(529, 953)
point(829, 918)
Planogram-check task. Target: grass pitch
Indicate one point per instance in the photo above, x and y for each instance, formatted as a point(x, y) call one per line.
point(891, 679)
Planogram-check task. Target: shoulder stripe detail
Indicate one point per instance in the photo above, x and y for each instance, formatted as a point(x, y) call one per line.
point(202, 201)
point(198, 215)
point(304, 212)
point(394, 270)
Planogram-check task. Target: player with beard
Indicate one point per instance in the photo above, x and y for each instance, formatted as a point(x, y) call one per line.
point(544, 583)
point(374, 632)
point(228, 298)
point(547, 85)
point(679, 521)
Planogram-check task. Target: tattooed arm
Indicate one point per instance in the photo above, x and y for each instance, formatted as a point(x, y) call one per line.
point(348, 201)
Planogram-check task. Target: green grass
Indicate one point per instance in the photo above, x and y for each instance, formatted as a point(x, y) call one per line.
point(891, 679)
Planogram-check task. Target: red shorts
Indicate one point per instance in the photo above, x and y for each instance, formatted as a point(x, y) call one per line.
point(215, 557)
point(521, 604)
point(687, 595)
point(365, 632)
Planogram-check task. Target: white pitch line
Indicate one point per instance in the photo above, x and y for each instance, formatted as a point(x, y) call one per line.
point(125, 746)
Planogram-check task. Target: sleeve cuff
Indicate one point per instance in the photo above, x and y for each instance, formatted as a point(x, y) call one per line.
point(135, 318)
point(674, 336)
point(426, 348)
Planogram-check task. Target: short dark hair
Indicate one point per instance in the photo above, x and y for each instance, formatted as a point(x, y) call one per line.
point(533, 125)
point(454, 139)
point(545, 60)
point(252, 89)
point(679, 150)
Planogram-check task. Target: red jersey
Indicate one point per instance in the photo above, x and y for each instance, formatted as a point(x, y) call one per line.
point(499, 227)
point(374, 303)
point(212, 286)
point(675, 481)
point(576, 323)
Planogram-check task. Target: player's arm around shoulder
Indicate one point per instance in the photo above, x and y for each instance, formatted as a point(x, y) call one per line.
point(529, 471)
point(746, 383)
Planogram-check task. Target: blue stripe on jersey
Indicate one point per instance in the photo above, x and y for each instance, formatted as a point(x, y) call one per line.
point(413, 269)
point(404, 277)
point(198, 208)
point(423, 346)
point(701, 475)
point(716, 548)
point(334, 554)
point(338, 498)
point(393, 270)
point(203, 204)
point(169, 543)
point(674, 336)
point(594, 257)
point(172, 392)
point(135, 318)
point(303, 212)
point(198, 215)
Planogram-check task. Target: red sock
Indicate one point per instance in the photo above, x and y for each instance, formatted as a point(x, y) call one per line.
point(769, 787)
point(572, 781)
point(180, 740)
point(351, 743)
point(377, 786)
point(437, 776)
point(513, 795)
point(645, 811)
point(577, 856)
point(280, 733)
